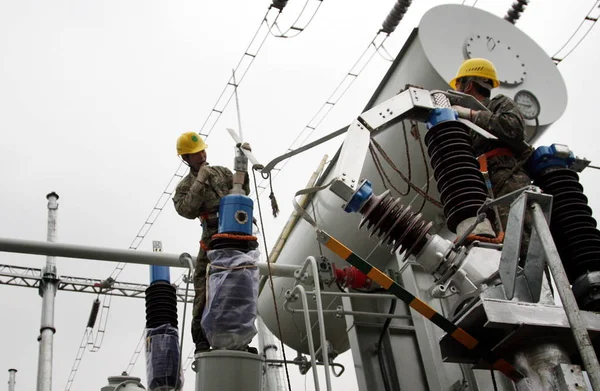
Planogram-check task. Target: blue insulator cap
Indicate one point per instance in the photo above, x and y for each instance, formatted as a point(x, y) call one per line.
point(359, 197)
point(556, 155)
point(235, 214)
point(440, 115)
point(159, 273)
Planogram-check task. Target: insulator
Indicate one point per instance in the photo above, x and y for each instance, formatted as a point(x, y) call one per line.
point(93, 314)
point(456, 170)
point(514, 13)
point(161, 305)
point(573, 228)
point(280, 4)
point(395, 16)
point(395, 223)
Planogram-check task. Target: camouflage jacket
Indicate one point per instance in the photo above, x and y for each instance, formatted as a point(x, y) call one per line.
point(194, 198)
point(505, 121)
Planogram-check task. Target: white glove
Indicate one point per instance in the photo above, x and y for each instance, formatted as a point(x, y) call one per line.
point(464, 112)
point(203, 173)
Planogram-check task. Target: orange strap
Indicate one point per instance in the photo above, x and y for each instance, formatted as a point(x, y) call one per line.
point(203, 246)
point(482, 159)
point(497, 240)
point(237, 237)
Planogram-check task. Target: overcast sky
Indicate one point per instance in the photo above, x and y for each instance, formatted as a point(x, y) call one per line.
point(94, 94)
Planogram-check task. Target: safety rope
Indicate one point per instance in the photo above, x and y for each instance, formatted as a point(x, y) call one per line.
point(287, 374)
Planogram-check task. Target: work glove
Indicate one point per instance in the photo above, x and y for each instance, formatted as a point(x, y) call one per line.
point(246, 146)
point(464, 112)
point(203, 173)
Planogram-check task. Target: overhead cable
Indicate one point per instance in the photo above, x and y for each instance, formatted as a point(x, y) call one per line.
point(301, 23)
point(388, 26)
point(589, 21)
point(86, 340)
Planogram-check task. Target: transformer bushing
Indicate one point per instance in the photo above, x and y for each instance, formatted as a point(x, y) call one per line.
point(162, 336)
point(455, 166)
point(395, 224)
point(572, 225)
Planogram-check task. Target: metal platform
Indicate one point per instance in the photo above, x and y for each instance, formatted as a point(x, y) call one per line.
point(504, 325)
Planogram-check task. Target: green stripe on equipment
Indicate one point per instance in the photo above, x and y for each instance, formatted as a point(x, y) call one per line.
point(460, 335)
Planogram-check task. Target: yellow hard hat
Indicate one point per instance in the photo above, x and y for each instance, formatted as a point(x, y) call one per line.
point(478, 67)
point(189, 143)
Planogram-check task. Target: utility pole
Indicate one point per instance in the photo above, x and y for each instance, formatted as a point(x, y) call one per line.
point(48, 288)
point(11, 379)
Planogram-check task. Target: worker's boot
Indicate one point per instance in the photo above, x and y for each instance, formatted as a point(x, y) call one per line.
point(202, 344)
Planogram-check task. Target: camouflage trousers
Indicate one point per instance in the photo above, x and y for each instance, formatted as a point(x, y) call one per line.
point(513, 182)
point(199, 300)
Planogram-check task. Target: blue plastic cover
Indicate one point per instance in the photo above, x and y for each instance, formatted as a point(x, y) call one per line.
point(162, 357)
point(230, 311)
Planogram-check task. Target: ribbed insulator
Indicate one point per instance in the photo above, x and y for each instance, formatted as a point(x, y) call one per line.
point(394, 223)
point(161, 305)
point(280, 4)
point(514, 13)
point(395, 16)
point(573, 227)
point(93, 314)
point(456, 170)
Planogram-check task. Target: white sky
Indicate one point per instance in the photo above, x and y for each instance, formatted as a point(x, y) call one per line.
point(94, 94)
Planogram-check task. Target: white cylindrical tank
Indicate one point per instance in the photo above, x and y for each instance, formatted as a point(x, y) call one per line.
point(445, 37)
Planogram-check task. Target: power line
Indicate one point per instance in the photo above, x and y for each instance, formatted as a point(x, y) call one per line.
point(586, 25)
point(330, 102)
point(297, 27)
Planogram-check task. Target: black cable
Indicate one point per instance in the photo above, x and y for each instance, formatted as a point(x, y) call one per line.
point(262, 226)
point(494, 380)
point(386, 325)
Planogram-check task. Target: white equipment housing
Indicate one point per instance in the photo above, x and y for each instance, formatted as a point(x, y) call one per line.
point(445, 37)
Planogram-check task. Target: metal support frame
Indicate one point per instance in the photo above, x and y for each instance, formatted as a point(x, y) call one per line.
point(28, 277)
point(578, 327)
point(521, 323)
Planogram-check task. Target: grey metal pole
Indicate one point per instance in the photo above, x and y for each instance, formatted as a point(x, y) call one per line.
point(11, 379)
point(580, 333)
point(269, 348)
point(118, 255)
point(48, 288)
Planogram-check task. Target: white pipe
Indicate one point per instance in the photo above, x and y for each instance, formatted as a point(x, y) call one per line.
point(48, 292)
point(11, 379)
point(309, 335)
point(118, 255)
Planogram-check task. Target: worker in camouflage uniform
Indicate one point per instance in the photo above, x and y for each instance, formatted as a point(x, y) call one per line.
point(477, 77)
point(198, 196)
